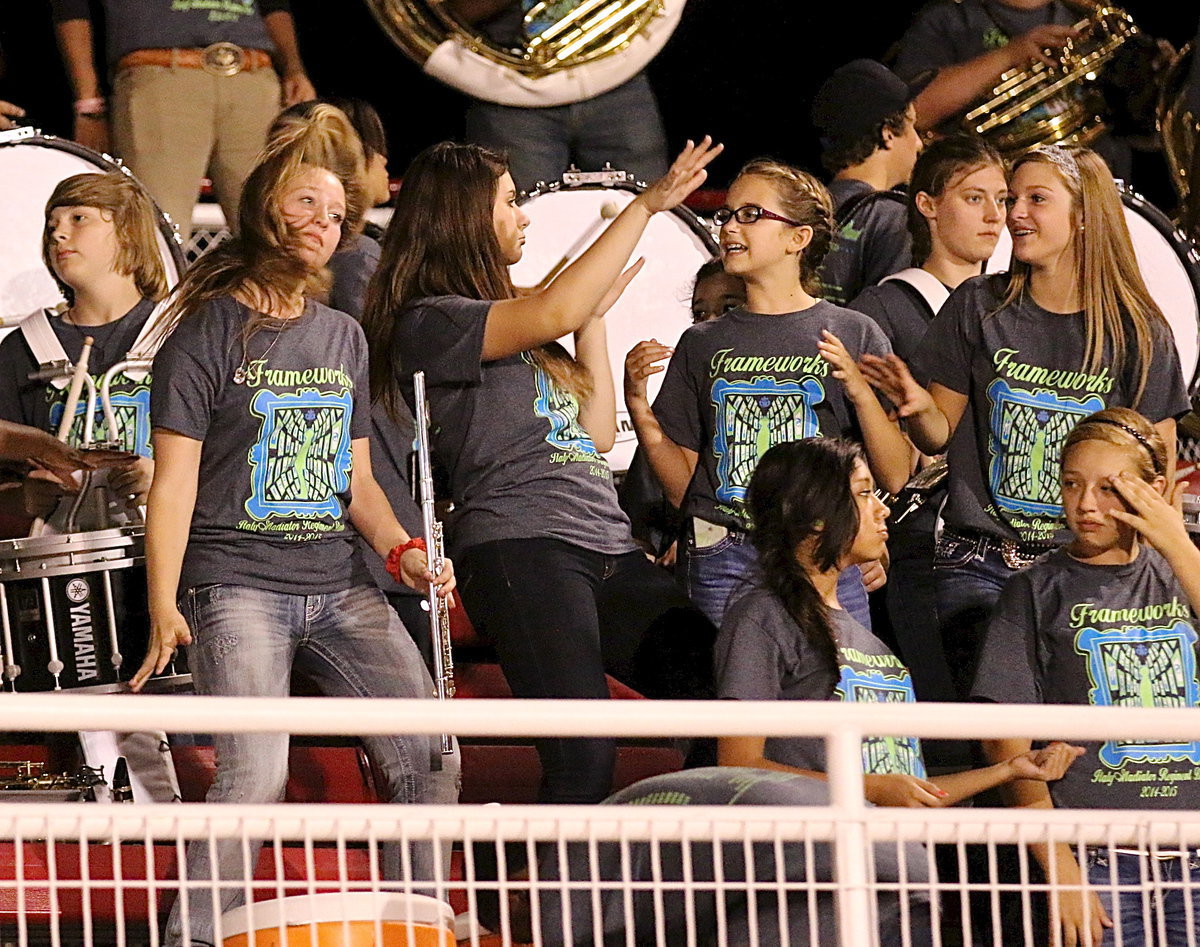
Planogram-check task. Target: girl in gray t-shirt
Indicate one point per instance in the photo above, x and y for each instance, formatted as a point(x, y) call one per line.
point(1109, 620)
point(816, 513)
point(549, 568)
point(1015, 361)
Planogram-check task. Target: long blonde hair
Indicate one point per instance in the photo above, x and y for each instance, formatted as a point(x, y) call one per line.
point(135, 223)
point(1111, 287)
point(263, 262)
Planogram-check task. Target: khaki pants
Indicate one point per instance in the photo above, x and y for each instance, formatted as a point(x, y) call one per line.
point(171, 125)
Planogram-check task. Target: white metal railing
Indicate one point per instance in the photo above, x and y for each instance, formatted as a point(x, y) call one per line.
point(853, 830)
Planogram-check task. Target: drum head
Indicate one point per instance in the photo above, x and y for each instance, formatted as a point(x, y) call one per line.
point(30, 168)
point(1170, 266)
point(658, 303)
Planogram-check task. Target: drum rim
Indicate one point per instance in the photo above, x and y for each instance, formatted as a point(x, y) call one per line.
point(269, 913)
point(693, 220)
point(107, 162)
point(1184, 249)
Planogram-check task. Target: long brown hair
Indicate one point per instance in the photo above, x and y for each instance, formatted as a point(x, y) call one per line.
point(1111, 287)
point(805, 200)
point(135, 221)
point(441, 242)
point(263, 261)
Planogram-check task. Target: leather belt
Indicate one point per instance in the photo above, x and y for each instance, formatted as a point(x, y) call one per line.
point(219, 59)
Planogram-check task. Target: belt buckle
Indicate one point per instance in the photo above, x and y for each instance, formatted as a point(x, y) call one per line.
point(223, 59)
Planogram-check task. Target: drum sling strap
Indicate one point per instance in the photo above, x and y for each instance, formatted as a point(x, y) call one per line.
point(48, 351)
point(923, 286)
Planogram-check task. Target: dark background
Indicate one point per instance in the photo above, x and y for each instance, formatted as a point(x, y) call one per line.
point(743, 71)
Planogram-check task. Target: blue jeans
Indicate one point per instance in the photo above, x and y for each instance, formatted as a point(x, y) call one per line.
point(713, 573)
point(1151, 905)
point(245, 643)
point(969, 576)
point(622, 127)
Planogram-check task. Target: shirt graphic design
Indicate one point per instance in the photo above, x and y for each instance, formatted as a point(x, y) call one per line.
point(1028, 430)
point(301, 460)
point(752, 417)
point(131, 410)
point(561, 409)
point(883, 754)
point(1137, 666)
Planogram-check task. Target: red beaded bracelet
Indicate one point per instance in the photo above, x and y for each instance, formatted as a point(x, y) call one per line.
point(393, 560)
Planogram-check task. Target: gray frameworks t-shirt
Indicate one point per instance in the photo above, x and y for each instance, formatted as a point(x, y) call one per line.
point(739, 385)
point(1066, 632)
point(871, 243)
point(1021, 369)
point(521, 465)
point(761, 654)
point(274, 483)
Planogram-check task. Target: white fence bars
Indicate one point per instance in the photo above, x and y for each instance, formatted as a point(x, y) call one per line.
point(671, 870)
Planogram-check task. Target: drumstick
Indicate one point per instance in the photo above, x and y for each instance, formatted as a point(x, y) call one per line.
point(69, 406)
point(608, 210)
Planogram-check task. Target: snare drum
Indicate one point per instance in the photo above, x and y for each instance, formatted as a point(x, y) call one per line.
point(341, 920)
point(566, 218)
point(31, 165)
point(73, 613)
point(1170, 265)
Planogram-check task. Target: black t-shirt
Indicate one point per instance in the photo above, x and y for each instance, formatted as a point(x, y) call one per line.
point(1066, 632)
point(1021, 368)
point(871, 242)
point(274, 480)
point(739, 385)
point(521, 465)
point(40, 405)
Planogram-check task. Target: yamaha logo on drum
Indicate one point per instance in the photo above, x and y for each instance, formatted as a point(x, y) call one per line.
point(78, 590)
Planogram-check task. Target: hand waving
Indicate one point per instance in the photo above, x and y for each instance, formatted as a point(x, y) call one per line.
point(684, 176)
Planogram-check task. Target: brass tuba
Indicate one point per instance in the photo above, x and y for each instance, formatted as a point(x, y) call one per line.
point(1179, 125)
point(568, 50)
point(1059, 104)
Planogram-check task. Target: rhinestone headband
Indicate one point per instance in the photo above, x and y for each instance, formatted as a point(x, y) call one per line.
point(1062, 159)
point(1136, 435)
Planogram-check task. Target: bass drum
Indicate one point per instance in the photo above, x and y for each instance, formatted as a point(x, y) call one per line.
point(1170, 265)
point(31, 165)
point(564, 218)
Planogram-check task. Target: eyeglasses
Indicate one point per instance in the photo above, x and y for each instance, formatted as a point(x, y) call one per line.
point(748, 214)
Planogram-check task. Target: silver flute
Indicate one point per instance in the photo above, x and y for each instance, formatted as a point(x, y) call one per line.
point(439, 609)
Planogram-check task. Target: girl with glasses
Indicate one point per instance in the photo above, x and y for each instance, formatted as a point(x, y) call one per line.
point(1014, 361)
point(261, 415)
point(781, 368)
point(549, 569)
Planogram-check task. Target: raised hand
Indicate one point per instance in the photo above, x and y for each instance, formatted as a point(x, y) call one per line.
point(620, 284)
point(845, 369)
point(642, 362)
point(684, 176)
point(1153, 515)
point(891, 377)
